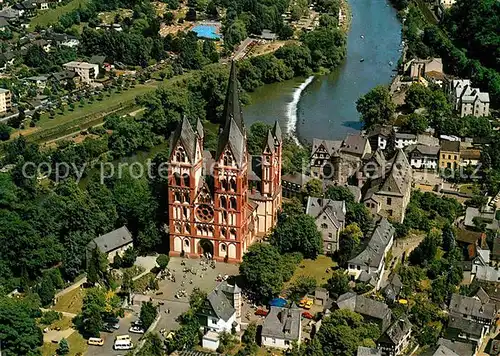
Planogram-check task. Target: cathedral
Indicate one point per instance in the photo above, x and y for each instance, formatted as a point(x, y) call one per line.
point(221, 202)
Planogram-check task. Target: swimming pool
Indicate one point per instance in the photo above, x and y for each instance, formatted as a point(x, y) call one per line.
point(206, 31)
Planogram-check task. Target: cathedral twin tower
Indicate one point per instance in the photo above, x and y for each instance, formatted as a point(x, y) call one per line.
point(221, 202)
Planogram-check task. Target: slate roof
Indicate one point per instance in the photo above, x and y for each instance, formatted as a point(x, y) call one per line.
point(368, 351)
point(277, 131)
point(334, 210)
point(282, 323)
point(405, 136)
point(373, 253)
point(363, 305)
point(469, 327)
point(112, 240)
point(461, 305)
point(296, 178)
point(63, 75)
point(220, 304)
point(460, 348)
point(233, 133)
point(482, 295)
point(184, 135)
point(354, 144)
point(450, 146)
point(495, 253)
point(440, 350)
point(330, 146)
point(397, 331)
point(423, 150)
point(3, 22)
point(394, 287)
point(396, 181)
point(487, 274)
point(229, 288)
point(380, 130)
point(199, 128)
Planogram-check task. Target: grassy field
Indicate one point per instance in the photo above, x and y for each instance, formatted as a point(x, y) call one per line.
point(313, 268)
point(44, 18)
point(71, 302)
point(77, 346)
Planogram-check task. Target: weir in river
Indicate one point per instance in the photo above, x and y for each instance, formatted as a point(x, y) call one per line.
point(325, 106)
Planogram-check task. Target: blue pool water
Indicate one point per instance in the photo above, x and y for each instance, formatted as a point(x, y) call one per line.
point(206, 31)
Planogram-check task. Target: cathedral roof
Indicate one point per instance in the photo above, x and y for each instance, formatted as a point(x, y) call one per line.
point(199, 128)
point(187, 138)
point(277, 132)
point(270, 141)
point(233, 133)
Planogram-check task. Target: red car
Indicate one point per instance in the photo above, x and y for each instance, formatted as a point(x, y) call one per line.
point(307, 315)
point(261, 312)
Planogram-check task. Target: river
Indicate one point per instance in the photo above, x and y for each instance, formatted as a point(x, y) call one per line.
point(325, 106)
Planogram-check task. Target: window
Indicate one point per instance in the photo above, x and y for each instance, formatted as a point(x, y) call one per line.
point(389, 201)
point(455, 156)
point(214, 321)
point(444, 156)
point(223, 202)
point(330, 235)
point(324, 226)
point(233, 203)
point(449, 156)
point(390, 212)
point(287, 342)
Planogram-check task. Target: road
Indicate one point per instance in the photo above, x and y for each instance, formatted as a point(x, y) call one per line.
point(241, 51)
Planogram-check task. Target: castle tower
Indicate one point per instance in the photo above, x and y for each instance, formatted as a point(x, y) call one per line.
point(185, 175)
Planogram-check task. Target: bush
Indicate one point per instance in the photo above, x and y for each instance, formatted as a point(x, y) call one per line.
point(162, 261)
point(49, 317)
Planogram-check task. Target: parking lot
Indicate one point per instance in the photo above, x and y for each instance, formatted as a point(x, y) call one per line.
point(109, 338)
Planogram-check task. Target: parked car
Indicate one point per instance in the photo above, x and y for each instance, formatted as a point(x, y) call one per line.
point(261, 312)
point(307, 315)
point(136, 330)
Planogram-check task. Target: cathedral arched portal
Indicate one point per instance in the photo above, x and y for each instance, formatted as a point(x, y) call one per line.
point(206, 247)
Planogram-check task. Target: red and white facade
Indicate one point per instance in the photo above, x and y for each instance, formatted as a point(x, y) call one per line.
point(214, 207)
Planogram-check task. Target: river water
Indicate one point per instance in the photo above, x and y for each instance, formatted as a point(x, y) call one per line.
point(325, 106)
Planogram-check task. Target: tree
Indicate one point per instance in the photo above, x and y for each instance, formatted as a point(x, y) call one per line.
point(350, 238)
point(313, 188)
point(339, 193)
point(90, 320)
point(261, 270)
point(129, 257)
point(257, 137)
point(20, 333)
point(96, 266)
point(148, 314)
point(327, 46)
point(298, 233)
point(338, 283)
point(4, 132)
point(162, 261)
point(302, 286)
point(416, 123)
point(46, 291)
point(343, 330)
point(448, 238)
point(16, 121)
point(153, 346)
point(376, 107)
point(418, 96)
point(63, 347)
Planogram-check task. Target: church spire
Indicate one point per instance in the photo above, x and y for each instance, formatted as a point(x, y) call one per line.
point(233, 133)
point(232, 106)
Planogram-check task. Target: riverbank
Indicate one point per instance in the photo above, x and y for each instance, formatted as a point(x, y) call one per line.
point(326, 107)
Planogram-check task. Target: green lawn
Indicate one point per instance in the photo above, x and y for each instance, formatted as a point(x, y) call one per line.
point(71, 302)
point(94, 108)
point(44, 18)
point(77, 346)
point(313, 268)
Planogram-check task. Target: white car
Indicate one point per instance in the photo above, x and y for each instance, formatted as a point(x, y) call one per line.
point(136, 330)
